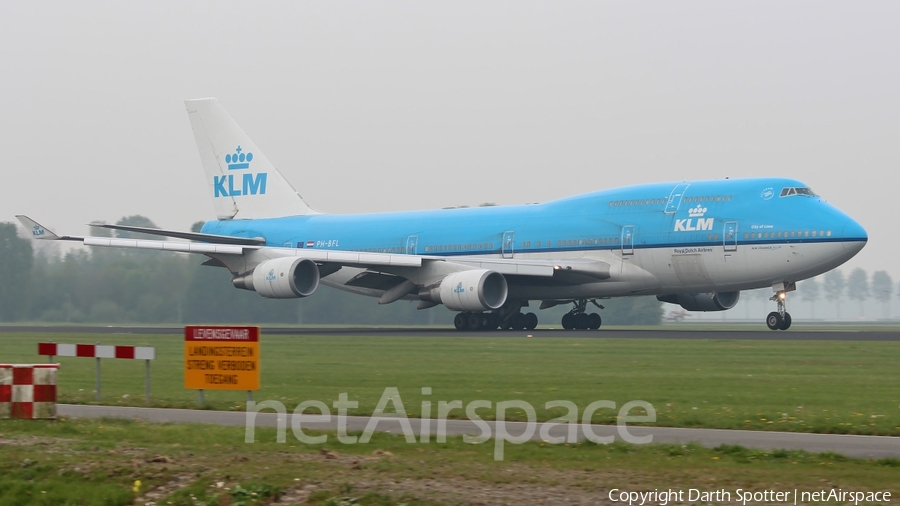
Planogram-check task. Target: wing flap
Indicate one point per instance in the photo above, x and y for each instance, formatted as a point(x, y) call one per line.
point(191, 236)
point(183, 247)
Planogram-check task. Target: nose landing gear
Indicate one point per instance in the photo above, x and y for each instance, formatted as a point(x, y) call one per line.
point(780, 319)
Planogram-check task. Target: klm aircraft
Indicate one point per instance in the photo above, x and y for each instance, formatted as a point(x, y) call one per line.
point(692, 243)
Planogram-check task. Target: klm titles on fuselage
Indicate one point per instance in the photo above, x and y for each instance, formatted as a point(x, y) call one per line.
point(688, 225)
point(247, 184)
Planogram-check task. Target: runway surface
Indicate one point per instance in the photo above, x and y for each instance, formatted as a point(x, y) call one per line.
point(866, 334)
point(852, 446)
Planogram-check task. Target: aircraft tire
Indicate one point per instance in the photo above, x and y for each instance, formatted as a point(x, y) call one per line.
point(774, 321)
point(567, 321)
point(517, 322)
point(531, 321)
point(460, 321)
point(596, 321)
point(474, 321)
point(582, 321)
point(786, 324)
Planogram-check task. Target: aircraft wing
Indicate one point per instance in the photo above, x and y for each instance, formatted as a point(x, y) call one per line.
point(191, 236)
point(217, 247)
point(349, 258)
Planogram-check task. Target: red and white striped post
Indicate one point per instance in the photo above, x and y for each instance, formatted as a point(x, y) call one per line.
point(28, 391)
point(98, 352)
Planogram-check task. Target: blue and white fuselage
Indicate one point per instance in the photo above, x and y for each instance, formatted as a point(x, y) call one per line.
point(661, 238)
point(697, 243)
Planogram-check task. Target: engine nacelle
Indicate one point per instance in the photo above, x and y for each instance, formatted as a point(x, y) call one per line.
point(282, 278)
point(476, 290)
point(715, 301)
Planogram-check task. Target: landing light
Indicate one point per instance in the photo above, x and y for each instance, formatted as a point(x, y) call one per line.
point(782, 295)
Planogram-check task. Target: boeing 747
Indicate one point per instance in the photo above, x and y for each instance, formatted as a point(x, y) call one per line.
point(692, 243)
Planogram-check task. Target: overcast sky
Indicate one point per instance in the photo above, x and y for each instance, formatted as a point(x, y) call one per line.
point(382, 106)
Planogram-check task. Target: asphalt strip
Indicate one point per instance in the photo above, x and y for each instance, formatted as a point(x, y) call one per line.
point(874, 447)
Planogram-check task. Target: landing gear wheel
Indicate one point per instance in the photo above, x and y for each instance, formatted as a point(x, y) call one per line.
point(531, 321)
point(774, 321)
point(517, 322)
point(582, 321)
point(595, 321)
point(460, 321)
point(568, 321)
point(474, 321)
point(491, 321)
point(786, 324)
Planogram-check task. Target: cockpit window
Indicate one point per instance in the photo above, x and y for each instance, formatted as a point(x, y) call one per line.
point(787, 192)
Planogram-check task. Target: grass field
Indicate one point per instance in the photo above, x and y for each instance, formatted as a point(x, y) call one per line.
point(119, 462)
point(827, 386)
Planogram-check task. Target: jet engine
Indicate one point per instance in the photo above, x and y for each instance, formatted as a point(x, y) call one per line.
point(475, 290)
point(714, 301)
point(282, 278)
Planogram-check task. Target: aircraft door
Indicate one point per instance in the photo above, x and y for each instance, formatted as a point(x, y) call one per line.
point(675, 198)
point(628, 240)
point(730, 235)
point(412, 244)
point(509, 244)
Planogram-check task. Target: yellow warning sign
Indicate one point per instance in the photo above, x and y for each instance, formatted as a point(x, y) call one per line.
point(221, 358)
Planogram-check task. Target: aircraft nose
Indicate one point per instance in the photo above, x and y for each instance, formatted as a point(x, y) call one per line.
point(855, 236)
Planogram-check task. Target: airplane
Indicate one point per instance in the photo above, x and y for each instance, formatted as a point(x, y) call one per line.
point(696, 244)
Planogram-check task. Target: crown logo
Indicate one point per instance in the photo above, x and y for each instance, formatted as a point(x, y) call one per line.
point(696, 212)
point(238, 160)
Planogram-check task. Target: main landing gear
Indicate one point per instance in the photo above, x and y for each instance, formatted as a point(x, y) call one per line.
point(579, 319)
point(507, 317)
point(780, 319)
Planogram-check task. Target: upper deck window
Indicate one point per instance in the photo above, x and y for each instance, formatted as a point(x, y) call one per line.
point(787, 192)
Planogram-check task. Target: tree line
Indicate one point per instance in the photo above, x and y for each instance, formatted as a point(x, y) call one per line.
point(38, 283)
point(858, 286)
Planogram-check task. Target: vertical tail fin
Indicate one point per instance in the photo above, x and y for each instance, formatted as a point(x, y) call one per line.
point(242, 181)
